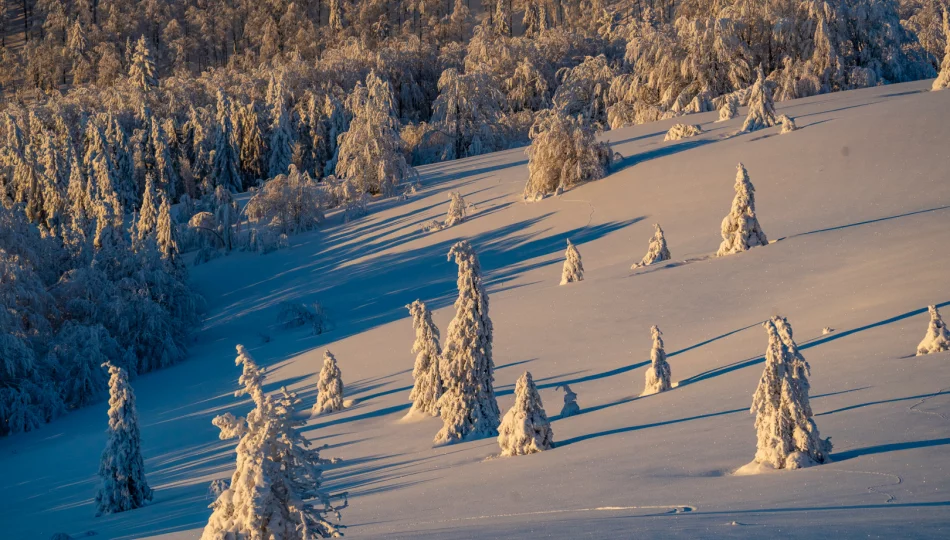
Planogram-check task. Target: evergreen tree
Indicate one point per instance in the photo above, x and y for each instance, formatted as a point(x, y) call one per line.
point(458, 210)
point(329, 387)
point(656, 251)
point(740, 229)
point(427, 381)
point(166, 235)
point(468, 406)
point(252, 145)
point(761, 108)
point(121, 470)
point(563, 154)
point(275, 492)
point(573, 269)
point(787, 435)
point(226, 162)
point(525, 428)
point(142, 67)
point(729, 108)
point(281, 136)
point(148, 213)
point(937, 338)
point(658, 374)
point(943, 78)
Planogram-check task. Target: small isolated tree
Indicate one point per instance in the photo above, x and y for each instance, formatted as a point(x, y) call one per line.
point(787, 435)
point(525, 428)
point(329, 387)
point(682, 131)
point(658, 374)
point(121, 469)
point(457, 209)
point(657, 250)
point(943, 78)
point(563, 154)
point(937, 338)
point(788, 123)
point(275, 491)
point(468, 406)
point(427, 381)
point(761, 107)
point(740, 229)
point(729, 108)
point(570, 407)
point(573, 266)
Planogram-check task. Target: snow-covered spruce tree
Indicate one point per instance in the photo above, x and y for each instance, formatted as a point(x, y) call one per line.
point(370, 153)
point(142, 67)
point(458, 211)
point(525, 428)
point(943, 78)
point(427, 381)
point(563, 154)
point(166, 235)
point(281, 134)
point(740, 229)
point(682, 131)
point(329, 387)
point(761, 108)
point(573, 269)
point(225, 166)
point(937, 338)
point(468, 406)
point(121, 469)
point(729, 108)
point(787, 435)
point(657, 250)
point(148, 214)
point(570, 407)
point(468, 113)
point(788, 124)
point(275, 491)
point(658, 374)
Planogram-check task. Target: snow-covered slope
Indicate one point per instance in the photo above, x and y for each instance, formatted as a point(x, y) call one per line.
point(857, 206)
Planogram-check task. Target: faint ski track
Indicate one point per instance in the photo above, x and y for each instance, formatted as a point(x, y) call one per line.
point(590, 217)
point(873, 489)
point(913, 408)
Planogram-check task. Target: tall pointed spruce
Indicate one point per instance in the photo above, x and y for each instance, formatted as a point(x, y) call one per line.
point(658, 374)
point(573, 269)
point(937, 338)
point(740, 229)
point(788, 437)
point(468, 406)
point(657, 250)
point(329, 387)
point(427, 381)
point(525, 428)
point(275, 491)
point(121, 469)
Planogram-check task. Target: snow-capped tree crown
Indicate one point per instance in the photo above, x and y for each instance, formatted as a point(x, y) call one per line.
point(740, 229)
point(573, 269)
point(525, 428)
point(427, 380)
point(658, 374)
point(329, 387)
point(657, 249)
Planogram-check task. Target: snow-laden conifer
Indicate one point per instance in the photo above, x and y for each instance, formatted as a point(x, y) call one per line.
point(275, 492)
point(281, 135)
point(458, 211)
point(787, 435)
point(573, 269)
point(225, 166)
point(658, 374)
point(468, 406)
point(657, 250)
point(740, 229)
point(788, 123)
point(427, 381)
point(943, 78)
point(682, 131)
point(525, 428)
point(729, 108)
point(570, 407)
point(937, 338)
point(142, 67)
point(329, 387)
point(563, 154)
point(121, 469)
point(148, 213)
point(761, 107)
point(166, 234)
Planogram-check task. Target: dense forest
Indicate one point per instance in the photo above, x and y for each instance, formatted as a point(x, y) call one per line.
point(127, 127)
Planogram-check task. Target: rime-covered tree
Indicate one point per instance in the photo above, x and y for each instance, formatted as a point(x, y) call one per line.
point(525, 428)
point(788, 437)
point(147, 223)
point(467, 112)
point(329, 387)
point(682, 131)
point(142, 66)
point(729, 109)
point(658, 374)
point(251, 144)
point(275, 491)
point(468, 406)
point(740, 229)
point(761, 108)
point(226, 163)
point(121, 469)
point(656, 251)
point(570, 407)
point(937, 338)
point(788, 124)
point(563, 154)
point(943, 78)
point(281, 135)
point(370, 153)
point(458, 210)
point(573, 269)
point(427, 381)
point(166, 235)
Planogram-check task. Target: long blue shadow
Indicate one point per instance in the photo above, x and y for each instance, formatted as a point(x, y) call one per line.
point(884, 448)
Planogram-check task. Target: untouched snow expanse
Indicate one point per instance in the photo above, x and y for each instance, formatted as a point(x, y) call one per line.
point(856, 204)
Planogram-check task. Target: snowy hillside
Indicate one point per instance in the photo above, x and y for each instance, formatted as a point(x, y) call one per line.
point(856, 204)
